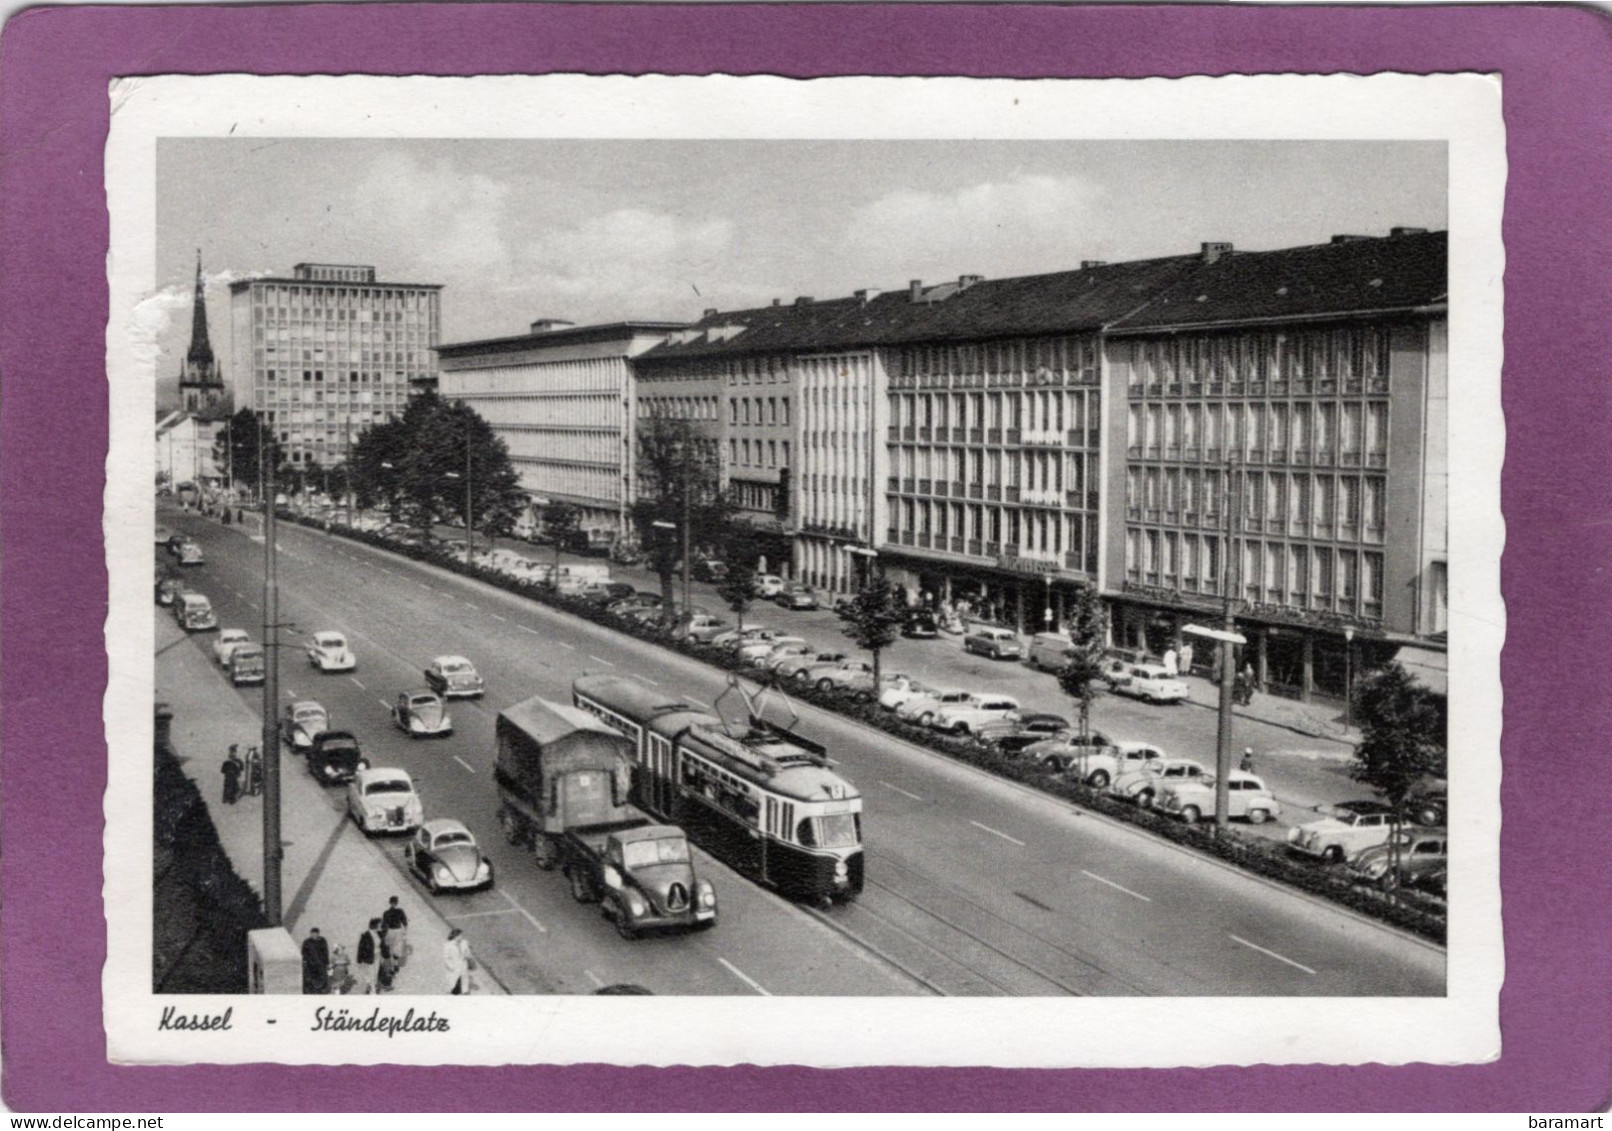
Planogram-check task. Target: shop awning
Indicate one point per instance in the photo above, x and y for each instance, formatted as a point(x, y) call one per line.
point(1427, 667)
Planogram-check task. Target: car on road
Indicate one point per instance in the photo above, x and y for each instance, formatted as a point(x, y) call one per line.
point(796, 596)
point(328, 651)
point(920, 625)
point(896, 694)
point(922, 709)
point(384, 800)
point(1142, 785)
point(175, 540)
point(302, 722)
point(454, 677)
point(163, 534)
point(1049, 651)
point(840, 674)
point(784, 648)
point(421, 713)
point(444, 856)
point(1019, 731)
point(794, 667)
point(194, 613)
point(701, 627)
point(997, 643)
point(603, 593)
point(736, 638)
point(1097, 760)
point(190, 554)
point(638, 600)
point(1247, 796)
point(1152, 682)
point(769, 585)
point(709, 569)
point(247, 664)
point(1343, 830)
point(976, 711)
point(168, 589)
point(226, 643)
point(334, 757)
point(860, 684)
point(1423, 860)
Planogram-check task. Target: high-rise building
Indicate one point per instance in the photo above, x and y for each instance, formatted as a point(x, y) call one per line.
point(201, 386)
point(327, 352)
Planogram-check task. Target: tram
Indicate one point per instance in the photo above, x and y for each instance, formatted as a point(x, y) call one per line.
point(767, 802)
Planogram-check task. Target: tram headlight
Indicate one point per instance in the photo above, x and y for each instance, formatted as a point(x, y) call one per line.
point(841, 869)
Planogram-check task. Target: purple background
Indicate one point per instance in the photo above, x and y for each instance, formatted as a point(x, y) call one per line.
point(1556, 1008)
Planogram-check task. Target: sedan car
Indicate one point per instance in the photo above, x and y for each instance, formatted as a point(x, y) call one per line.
point(1153, 682)
point(444, 856)
point(454, 677)
point(795, 666)
point(1247, 796)
point(383, 800)
point(769, 585)
point(860, 685)
point(328, 652)
point(1343, 830)
point(891, 698)
point(702, 627)
point(736, 641)
point(228, 638)
point(997, 643)
point(840, 674)
point(709, 569)
point(190, 554)
point(761, 653)
point(1142, 785)
point(922, 709)
point(974, 712)
point(247, 664)
point(163, 534)
point(335, 757)
point(603, 593)
point(1019, 731)
point(797, 597)
point(1422, 859)
point(176, 540)
point(421, 713)
point(302, 722)
point(167, 590)
point(920, 625)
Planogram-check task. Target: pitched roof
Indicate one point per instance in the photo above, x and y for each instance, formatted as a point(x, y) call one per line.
point(1358, 275)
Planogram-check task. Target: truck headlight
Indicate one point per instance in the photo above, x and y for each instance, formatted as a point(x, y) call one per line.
point(636, 904)
point(707, 895)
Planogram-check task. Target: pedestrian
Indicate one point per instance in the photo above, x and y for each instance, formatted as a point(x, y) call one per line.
point(315, 963)
point(232, 775)
point(369, 951)
point(1169, 663)
point(1184, 662)
point(458, 962)
point(396, 922)
point(1247, 764)
point(1248, 683)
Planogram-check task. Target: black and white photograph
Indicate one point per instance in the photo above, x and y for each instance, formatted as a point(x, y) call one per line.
point(941, 571)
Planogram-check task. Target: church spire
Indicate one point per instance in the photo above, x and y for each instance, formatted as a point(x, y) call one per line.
point(201, 350)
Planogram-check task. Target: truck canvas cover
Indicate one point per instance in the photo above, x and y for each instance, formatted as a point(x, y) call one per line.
point(539, 737)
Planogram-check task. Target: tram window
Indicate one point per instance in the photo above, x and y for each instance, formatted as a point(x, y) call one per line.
point(806, 833)
point(843, 830)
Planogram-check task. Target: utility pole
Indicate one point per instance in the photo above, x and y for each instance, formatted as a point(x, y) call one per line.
point(470, 514)
point(1230, 576)
point(270, 750)
point(688, 509)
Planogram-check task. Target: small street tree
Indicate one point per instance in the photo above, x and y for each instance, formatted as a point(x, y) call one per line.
point(237, 447)
point(679, 484)
point(738, 587)
point(561, 521)
point(1083, 667)
point(1403, 740)
point(873, 618)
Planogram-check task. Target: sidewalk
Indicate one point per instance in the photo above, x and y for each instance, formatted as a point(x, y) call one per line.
point(1315, 720)
point(332, 876)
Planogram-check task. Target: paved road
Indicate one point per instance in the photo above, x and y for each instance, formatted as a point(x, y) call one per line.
point(975, 886)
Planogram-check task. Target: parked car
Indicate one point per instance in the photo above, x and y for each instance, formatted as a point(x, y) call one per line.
point(788, 668)
point(247, 664)
point(769, 585)
point(602, 593)
point(797, 596)
point(828, 677)
point(190, 554)
point(421, 713)
point(997, 643)
point(194, 613)
point(625, 605)
point(444, 856)
point(168, 589)
point(1049, 651)
point(1247, 796)
point(1018, 731)
point(1152, 682)
point(923, 709)
point(328, 651)
point(1097, 760)
point(454, 677)
point(1423, 859)
point(860, 684)
point(735, 639)
point(228, 639)
point(1343, 830)
point(920, 625)
point(701, 627)
point(896, 694)
point(163, 534)
point(784, 648)
point(302, 722)
point(383, 800)
point(176, 540)
point(1142, 785)
point(974, 712)
point(334, 757)
point(1427, 802)
point(709, 569)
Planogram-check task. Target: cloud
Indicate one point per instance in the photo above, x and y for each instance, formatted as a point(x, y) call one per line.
point(979, 228)
point(451, 220)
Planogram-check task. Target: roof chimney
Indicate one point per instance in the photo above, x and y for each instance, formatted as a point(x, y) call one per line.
point(868, 295)
point(1395, 233)
point(777, 302)
point(915, 290)
point(804, 300)
point(1349, 239)
point(966, 281)
point(543, 325)
point(710, 312)
point(1212, 252)
point(1088, 264)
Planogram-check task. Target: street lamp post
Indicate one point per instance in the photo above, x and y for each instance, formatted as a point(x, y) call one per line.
point(270, 751)
point(470, 513)
point(868, 555)
point(1348, 677)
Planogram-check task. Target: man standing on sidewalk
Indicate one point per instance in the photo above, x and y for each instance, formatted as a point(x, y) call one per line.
point(369, 946)
point(458, 961)
point(315, 964)
point(396, 935)
point(232, 775)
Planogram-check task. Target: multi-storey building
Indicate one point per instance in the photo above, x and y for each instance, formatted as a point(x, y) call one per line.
point(564, 400)
point(1289, 405)
point(330, 350)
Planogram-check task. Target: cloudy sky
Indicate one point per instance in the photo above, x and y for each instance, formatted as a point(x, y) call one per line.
point(595, 231)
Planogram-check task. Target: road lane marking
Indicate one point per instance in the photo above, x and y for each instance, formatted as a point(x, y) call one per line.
point(464, 763)
point(423, 585)
point(495, 616)
point(997, 832)
point(743, 977)
point(529, 917)
point(361, 687)
point(384, 704)
point(1271, 953)
point(697, 702)
point(1116, 887)
point(528, 628)
point(643, 679)
point(596, 659)
point(290, 694)
point(563, 644)
point(901, 791)
point(483, 914)
point(468, 605)
point(594, 978)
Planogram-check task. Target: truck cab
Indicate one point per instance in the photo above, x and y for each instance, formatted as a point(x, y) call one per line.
point(644, 877)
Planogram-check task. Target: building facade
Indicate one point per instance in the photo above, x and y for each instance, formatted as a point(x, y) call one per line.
point(185, 450)
point(323, 354)
point(564, 399)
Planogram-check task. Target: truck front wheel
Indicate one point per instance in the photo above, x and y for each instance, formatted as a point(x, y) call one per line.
point(581, 887)
point(545, 852)
point(624, 926)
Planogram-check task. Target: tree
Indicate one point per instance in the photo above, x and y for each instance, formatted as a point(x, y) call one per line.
point(1403, 742)
point(236, 449)
point(1083, 666)
point(679, 482)
point(375, 463)
point(874, 617)
point(738, 587)
point(561, 521)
